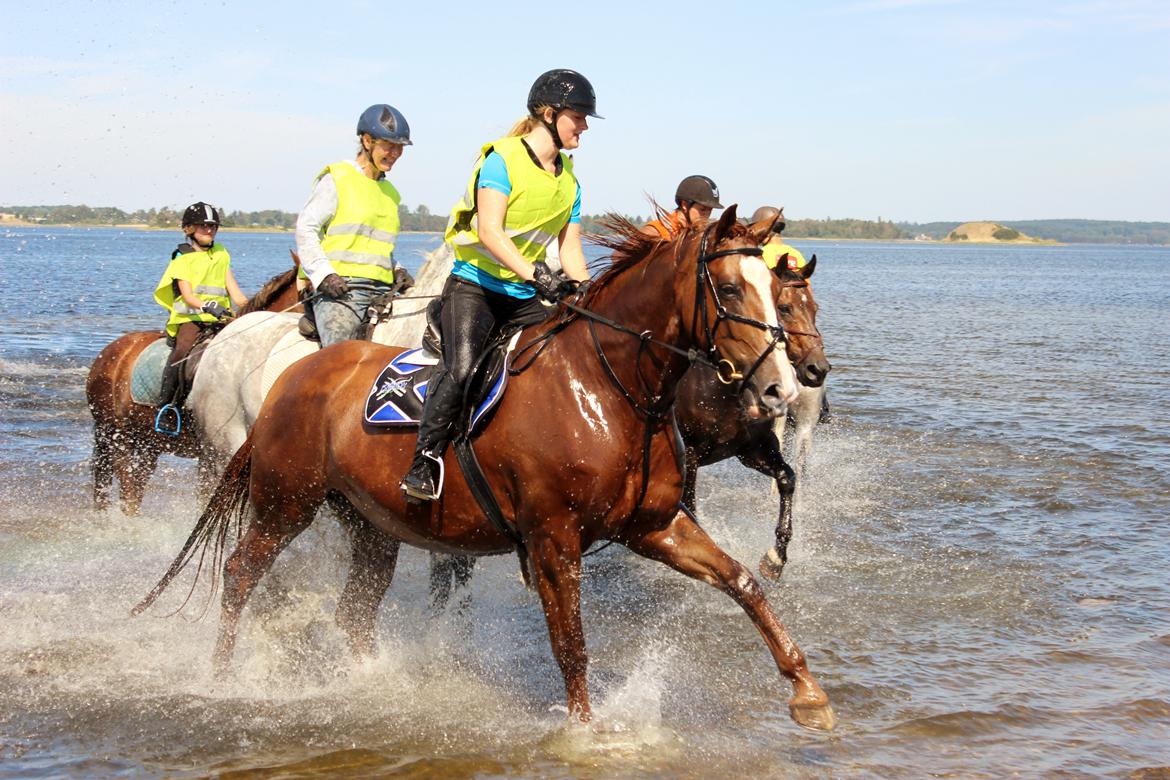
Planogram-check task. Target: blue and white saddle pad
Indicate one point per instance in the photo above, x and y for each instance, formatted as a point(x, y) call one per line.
point(400, 389)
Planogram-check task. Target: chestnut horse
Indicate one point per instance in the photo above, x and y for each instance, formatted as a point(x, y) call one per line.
point(125, 442)
point(581, 449)
point(715, 425)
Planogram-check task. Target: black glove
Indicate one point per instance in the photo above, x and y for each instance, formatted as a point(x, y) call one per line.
point(333, 286)
point(547, 285)
point(216, 310)
point(403, 281)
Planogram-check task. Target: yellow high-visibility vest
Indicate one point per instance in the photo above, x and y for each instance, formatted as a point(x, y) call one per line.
point(773, 252)
point(360, 239)
point(206, 272)
point(539, 207)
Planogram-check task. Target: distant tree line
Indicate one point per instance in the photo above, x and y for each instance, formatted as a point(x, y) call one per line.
point(1072, 231)
point(828, 227)
point(421, 219)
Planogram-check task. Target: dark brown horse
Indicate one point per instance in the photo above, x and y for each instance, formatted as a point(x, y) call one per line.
point(716, 425)
point(125, 442)
point(580, 450)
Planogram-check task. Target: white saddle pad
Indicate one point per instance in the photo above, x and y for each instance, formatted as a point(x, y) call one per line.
point(291, 348)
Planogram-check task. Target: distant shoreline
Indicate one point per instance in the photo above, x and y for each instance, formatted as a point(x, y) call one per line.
point(23, 224)
point(20, 223)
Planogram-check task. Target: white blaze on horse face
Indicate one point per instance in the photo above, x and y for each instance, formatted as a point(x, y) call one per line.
point(759, 278)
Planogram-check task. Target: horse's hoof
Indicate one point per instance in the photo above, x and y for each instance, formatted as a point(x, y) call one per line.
point(771, 567)
point(814, 716)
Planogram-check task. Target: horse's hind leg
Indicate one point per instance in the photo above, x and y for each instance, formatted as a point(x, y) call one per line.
point(685, 547)
point(448, 573)
point(134, 467)
point(103, 465)
point(271, 530)
point(765, 457)
point(374, 556)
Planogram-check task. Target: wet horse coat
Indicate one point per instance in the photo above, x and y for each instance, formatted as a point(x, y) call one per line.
point(591, 384)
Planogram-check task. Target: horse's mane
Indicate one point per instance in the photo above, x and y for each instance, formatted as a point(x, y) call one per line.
point(271, 289)
point(629, 245)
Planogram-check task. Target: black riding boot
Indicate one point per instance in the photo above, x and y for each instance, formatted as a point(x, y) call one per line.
point(443, 402)
point(170, 384)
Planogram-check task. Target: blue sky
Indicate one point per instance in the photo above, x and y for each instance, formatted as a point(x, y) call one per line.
point(902, 109)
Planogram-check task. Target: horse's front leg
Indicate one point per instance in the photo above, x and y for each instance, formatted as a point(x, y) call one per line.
point(764, 456)
point(685, 547)
point(555, 565)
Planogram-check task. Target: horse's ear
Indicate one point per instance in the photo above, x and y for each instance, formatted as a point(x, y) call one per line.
point(296, 259)
point(809, 267)
point(762, 229)
point(725, 223)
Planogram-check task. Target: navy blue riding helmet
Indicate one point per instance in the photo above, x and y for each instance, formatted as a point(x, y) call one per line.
point(385, 121)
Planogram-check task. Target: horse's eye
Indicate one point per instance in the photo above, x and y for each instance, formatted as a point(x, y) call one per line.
point(785, 310)
point(729, 290)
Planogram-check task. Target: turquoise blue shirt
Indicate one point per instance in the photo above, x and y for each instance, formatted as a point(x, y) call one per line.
point(493, 174)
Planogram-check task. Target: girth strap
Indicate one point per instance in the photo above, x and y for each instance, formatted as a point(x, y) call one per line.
point(482, 491)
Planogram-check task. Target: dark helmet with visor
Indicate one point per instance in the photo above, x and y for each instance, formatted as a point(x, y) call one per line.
point(201, 214)
point(563, 88)
point(386, 122)
point(698, 189)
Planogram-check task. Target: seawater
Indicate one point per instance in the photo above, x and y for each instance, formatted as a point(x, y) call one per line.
point(978, 575)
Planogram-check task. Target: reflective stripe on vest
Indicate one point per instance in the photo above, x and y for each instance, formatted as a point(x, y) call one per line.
point(539, 207)
point(206, 272)
point(360, 238)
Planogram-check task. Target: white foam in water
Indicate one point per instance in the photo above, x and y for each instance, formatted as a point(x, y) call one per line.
point(627, 720)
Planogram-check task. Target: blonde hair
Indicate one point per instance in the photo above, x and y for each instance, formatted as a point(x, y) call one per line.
point(527, 124)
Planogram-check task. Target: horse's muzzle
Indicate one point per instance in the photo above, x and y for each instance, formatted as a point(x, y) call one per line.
point(813, 373)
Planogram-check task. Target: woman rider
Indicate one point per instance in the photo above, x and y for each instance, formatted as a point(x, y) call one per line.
point(198, 288)
point(522, 197)
point(346, 232)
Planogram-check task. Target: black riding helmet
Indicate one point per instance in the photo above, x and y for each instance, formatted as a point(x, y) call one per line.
point(201, 214)
point(560, 89)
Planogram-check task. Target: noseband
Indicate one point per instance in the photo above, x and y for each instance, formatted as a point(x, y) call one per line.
point(725, 370)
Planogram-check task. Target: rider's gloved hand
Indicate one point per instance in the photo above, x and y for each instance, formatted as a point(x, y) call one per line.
point(403, 281)
point(547, 285)
point(333, 286)
point(216, 310)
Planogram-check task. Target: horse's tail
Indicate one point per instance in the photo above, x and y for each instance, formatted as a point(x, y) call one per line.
point(229, 500)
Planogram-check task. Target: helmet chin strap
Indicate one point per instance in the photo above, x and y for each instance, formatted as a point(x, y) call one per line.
point(552, 128)
point(199, 243)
